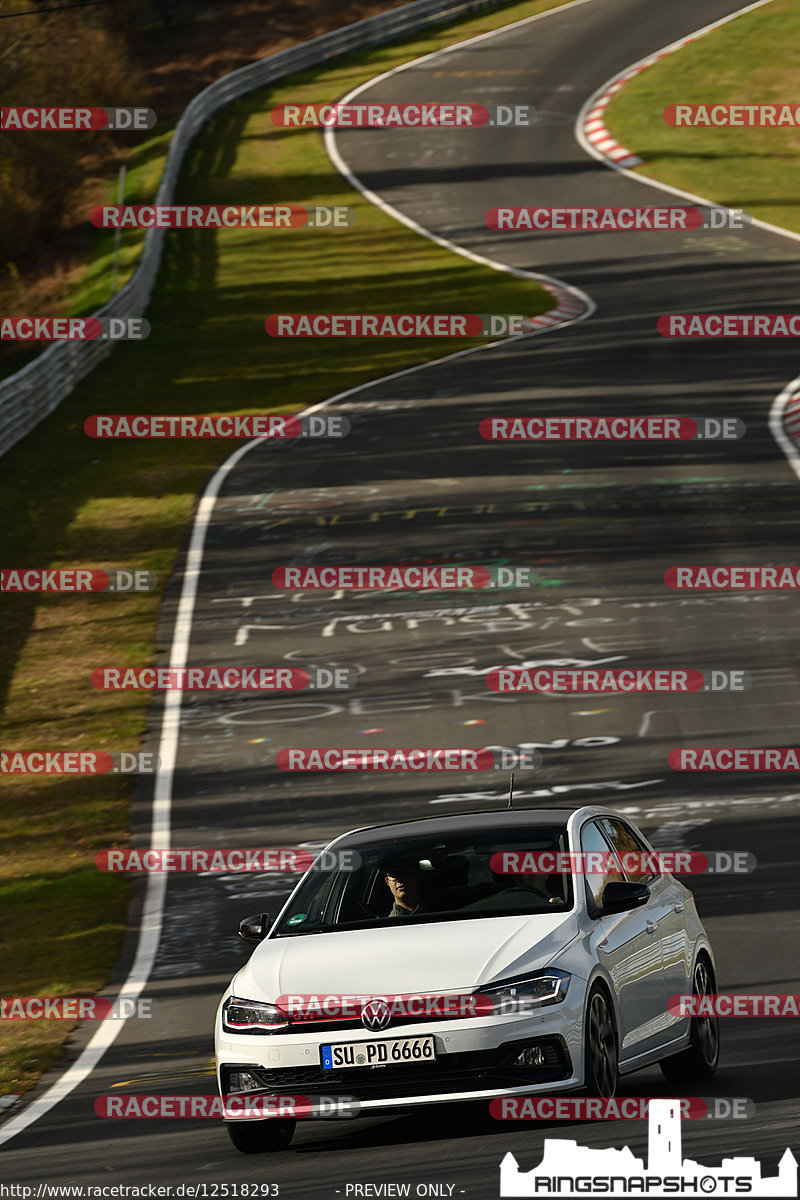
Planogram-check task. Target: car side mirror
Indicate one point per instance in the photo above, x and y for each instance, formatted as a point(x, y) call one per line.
point(622, 896)
point(255, 929)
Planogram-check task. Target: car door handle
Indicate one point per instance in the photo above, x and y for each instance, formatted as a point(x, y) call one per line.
point(678, 908)
point(651, 927)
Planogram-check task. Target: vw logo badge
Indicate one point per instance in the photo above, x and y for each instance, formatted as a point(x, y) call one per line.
point(375, 1015)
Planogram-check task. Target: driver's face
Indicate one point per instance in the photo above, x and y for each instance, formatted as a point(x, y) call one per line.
point(404, 883)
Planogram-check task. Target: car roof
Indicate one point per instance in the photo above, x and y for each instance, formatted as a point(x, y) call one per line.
point(479, 822)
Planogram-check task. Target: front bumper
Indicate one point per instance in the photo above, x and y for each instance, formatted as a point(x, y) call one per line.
point(474, 1060)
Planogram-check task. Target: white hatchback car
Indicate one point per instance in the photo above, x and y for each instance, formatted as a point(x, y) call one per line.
point(411, 967)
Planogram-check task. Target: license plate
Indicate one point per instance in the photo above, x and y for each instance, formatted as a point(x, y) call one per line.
point(378, 1054)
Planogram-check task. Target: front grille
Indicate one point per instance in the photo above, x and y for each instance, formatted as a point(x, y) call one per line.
point(471, 1071)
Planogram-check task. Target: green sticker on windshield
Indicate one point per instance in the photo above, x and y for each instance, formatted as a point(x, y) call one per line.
point(297, 919)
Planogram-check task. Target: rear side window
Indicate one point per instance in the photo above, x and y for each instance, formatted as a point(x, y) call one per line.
point(624, 842)
point(593, 842)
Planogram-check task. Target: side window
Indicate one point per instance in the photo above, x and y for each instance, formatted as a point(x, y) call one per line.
point(593, 842)
point(375, 893)
point(624, 842)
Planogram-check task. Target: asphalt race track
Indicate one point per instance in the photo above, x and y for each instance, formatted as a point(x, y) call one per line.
point(600, 523)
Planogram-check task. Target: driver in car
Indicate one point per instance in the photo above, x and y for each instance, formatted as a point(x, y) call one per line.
point(404, 880)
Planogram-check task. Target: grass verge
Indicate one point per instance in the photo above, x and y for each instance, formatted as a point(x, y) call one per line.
point(77, 502)
point(754, 59)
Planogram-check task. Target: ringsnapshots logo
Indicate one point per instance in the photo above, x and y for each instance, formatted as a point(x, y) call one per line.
point(261, 425)
point(614, 220)
point(405, 758)
point(76, 118)
point(567, 1169)
point(617, 680)
point(610, 429)
point(402, 116)
point(403, 577)
point(402, 325)
point(70, 580)
point(224, 679)
point(73, 329)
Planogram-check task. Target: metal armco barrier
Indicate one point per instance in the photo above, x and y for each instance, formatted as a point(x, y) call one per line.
point(32, 393)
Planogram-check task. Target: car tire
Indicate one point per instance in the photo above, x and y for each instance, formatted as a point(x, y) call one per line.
point(600, 1047)
point(699, 1060)
point(259, 1137)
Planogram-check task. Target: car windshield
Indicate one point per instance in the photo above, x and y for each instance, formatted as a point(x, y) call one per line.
point(423, 880)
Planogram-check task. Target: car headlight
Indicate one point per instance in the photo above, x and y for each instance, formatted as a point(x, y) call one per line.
point(524, 993)
point(251, 1016)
